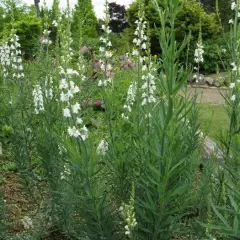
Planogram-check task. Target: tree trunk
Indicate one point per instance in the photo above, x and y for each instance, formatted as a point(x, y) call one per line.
point(36, 3)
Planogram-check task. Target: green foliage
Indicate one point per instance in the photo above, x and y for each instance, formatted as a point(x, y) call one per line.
point(117, 40)
point(215, 55)
point(225, 197)
point(84, 23)
point(187, 21)
point(221, 7)
point(28, 28)
point(119, 169)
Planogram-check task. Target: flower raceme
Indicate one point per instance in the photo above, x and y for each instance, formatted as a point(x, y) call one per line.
point(38, 99)
point(102, 147)
point(10, 58)
point(140, 37)
point(234, 7)
point(131, 95)
point(72, 108)
point(5, 58)
point(106, 54)
point(45, 38)
point(149, 87)
point(198, 54)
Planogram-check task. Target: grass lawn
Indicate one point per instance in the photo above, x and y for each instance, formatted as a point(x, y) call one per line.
point(214, 119)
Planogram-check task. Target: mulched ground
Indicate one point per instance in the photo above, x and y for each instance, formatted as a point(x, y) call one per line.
point(18, 204)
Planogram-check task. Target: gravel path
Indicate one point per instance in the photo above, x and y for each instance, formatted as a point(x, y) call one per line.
point(206, 94)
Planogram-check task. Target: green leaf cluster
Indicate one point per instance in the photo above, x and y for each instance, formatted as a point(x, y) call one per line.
point(28, 28)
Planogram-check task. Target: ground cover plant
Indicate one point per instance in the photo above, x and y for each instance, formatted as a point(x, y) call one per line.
point(103, 146)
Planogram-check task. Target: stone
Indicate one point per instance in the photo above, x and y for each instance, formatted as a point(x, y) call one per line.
point(199, 79)
point(217, 84)
point(210, 148)
point(209, 81)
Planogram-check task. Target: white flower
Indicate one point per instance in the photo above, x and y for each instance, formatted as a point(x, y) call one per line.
point(135, 52)
point(76, 107)
point(144, 68)
point(84, 133)
point(104, 40)
point(126, 118)
point(198, 53)
point(101, 49)
point(152, 99)
point(144, 46)
point(233, 5)
point(109, 67)
point(232, 85)
point(230, 21)
point(66, 112)
point(79, 121)
point(127, 107)
point(69, 94)
point(102, 147)
point(71, 71)
point(108, 54)
point(66, 172)
point(144, 102)
point(234, 66)
point(233, 98)
point(54, 23)
point(100, 83)
point(63, 84)
point(38, 99)
point(46, 32)
point(73, 132)
point(27, 222)
point(74, 88)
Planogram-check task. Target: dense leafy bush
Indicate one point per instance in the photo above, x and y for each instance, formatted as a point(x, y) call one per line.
point(188, 20)
point(27, 26)
point(216, 56)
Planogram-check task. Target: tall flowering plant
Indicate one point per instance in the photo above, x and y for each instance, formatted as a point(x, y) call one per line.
point(106, 52)
point(225, 195)
point(164, 119)
point(198, 54)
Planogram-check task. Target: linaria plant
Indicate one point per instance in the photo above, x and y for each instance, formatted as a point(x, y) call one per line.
point(127, 170)
point(198, 54)
point(106, 52)
point(15, 102)
point(225, 197)
point(166, 146)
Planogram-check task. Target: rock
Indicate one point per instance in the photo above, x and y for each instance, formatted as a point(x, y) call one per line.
point(199, 79)
point(191, 79)
point(209, 81)
point(217, 84)
point(210, 148)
